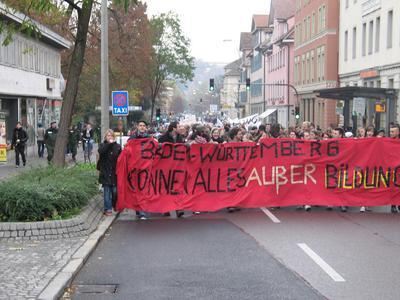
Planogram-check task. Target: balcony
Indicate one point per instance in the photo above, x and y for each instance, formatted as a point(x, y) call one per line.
point(368, 6)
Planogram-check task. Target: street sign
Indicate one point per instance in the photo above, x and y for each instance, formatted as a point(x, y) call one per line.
point(120, 103)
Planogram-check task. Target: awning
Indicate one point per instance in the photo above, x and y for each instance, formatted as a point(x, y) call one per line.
point(267, 113)
point(350, 92)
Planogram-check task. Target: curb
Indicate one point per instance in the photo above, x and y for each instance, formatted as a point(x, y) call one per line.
point(56, 286)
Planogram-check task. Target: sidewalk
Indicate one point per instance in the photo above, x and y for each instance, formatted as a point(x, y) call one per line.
point(41, 269)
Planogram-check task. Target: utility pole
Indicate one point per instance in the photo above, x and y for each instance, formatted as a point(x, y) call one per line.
point(105, 94)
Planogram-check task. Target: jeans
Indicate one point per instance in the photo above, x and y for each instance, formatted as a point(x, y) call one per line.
point(109, 192)
point(40, 148)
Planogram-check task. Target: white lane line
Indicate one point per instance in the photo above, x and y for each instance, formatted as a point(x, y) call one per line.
point(320, 262)
point(270, 215)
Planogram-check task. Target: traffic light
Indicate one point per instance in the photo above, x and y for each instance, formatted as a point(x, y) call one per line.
point(247, 83)
point(297, 112)
point(211, 87)
point(158, 114)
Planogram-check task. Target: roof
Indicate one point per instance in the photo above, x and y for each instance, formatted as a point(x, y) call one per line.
point(233, 65)
point(47, 35)
point(259, 21)
point(281, 9)
point(233, 73)
point(245, 41)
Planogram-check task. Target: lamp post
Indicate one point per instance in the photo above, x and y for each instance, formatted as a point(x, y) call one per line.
point(105, 94)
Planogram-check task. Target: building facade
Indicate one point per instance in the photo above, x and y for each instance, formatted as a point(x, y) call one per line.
point(278, 49)
point(316, 58)
point(230, 92)
point(31, 83)
point(245, 49)
point(259, 31)
point(369, 54)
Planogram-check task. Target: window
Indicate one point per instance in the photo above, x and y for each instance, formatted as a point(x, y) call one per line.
point(390, 29)
point(347, 3)
point(303, 69)
point(307, 68)
point(313, 24)
point(312, 66)
point(256, 89)
point(346, 42)
point(323, 62)
point(318, 64)
point(391, 83)
point(370, 37)
point(309, 27)
point(305, 30)
point(354, 54)
point(319, 20)
point(364, 39)
point(323, 18)
point(377, 33)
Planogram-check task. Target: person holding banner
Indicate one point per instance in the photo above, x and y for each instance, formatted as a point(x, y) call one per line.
point(394, 134)
point(109, 151)
point(140, 133)
point(18, 142)
point(172, 136)
point(235, 136)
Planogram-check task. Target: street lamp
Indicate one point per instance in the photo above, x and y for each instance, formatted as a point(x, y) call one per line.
point(105, 102)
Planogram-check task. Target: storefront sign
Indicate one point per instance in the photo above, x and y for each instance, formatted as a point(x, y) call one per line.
point(369, 74)
point(3, 140)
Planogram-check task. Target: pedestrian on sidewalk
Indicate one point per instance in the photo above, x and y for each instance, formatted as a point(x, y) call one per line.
point(40, 139)
point(18, 142)
point(73, 140)
point(50, 140)
point(109, 151)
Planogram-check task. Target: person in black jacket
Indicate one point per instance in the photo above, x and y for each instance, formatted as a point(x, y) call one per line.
point(172, 135)
point(109, 151)
point(18, 142)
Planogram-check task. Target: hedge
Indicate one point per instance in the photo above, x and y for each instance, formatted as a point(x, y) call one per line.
point(46, 193)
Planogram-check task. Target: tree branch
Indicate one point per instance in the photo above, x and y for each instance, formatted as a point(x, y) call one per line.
point(73, 4)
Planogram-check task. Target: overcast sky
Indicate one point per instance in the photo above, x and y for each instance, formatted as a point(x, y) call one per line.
point(213, 26)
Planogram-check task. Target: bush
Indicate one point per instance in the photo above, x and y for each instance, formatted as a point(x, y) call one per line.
point(43, 193)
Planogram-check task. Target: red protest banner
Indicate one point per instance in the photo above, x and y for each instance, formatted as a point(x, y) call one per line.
point(276, 172)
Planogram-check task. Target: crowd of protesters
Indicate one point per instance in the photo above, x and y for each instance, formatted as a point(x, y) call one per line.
point(206, 133)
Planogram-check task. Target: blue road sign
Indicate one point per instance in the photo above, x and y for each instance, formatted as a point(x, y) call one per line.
point(120, 103)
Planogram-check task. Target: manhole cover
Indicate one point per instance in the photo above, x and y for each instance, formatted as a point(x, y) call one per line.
point(95, 288)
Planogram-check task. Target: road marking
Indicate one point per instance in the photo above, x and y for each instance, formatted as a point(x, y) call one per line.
point(320, 262)
point(270, 215)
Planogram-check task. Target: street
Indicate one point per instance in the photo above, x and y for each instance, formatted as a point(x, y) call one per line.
point(251, 254)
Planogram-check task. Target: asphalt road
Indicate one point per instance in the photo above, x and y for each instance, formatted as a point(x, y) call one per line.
point(187, 259)
point(252, 254)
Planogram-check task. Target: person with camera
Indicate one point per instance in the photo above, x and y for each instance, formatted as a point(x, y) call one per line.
point(109, 151)
point(18, 143)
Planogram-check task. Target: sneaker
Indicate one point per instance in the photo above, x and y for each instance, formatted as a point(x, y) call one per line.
point(180, 214)
point(17, 166)
point(343, 208)
point(362, 209)
point(394, 209)
point(108, 213)
point(143, 218)
point(329, 207)
point(307, 207)
point(196, 212)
